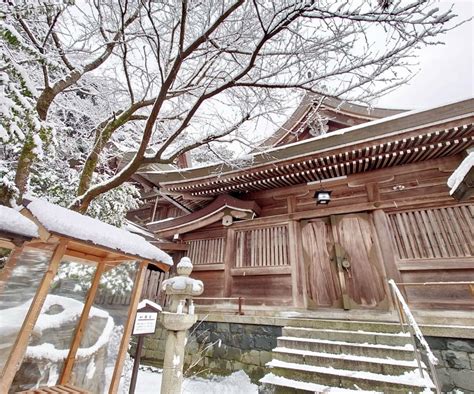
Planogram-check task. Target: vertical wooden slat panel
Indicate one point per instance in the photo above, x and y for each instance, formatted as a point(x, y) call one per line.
point(459, 231)
point(403, 233)
point(451, 238)
point(428, 250)
point(434, 233)
point(453, 231)
point(412, 235)
point(271, 245)
point(419, 235)
point(396, 234)
point(430, 231)
point(437, 233)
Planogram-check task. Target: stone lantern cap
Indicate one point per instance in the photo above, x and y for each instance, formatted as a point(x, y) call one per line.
point(182, 284)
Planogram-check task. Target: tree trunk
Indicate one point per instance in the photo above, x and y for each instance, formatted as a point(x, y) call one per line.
point(44, 102)
point(25, 161)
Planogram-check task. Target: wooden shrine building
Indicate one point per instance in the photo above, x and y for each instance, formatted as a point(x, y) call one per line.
point(259, 232)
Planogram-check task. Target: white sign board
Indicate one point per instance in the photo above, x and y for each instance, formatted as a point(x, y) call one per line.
point(145, 323)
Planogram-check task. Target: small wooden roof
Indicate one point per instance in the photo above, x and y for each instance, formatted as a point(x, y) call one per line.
point(222, 205)
point(90, 239)
point(15, 228)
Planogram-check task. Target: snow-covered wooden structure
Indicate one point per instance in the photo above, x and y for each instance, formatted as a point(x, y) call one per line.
point(258, 232)
point(42, 237)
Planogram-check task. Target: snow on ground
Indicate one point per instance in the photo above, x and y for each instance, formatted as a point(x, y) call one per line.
point(63, 221)
point(149, 382)
point(12, 221)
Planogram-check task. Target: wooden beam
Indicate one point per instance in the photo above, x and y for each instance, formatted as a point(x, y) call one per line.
point(16, 356)
point(229, 259)
point(296, 258)
point(7, 244)
point(384, 231)
point(127, 332)
point(175, 203)
point(69, 363)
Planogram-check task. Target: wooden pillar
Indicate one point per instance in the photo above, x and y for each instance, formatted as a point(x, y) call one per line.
point(69, 363)
point(383, 231)
point(387, 252)
point(18, 352)
point(229, 259)
point(127, 332)
point(298, 284)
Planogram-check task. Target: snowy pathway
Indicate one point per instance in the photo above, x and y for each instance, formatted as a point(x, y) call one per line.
point(149, 381)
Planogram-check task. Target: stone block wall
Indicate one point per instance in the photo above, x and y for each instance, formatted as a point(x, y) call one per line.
point(456, 363)
point(219, 348)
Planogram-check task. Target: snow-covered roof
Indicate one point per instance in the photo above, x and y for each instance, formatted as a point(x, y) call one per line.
point(72, 224)
point(460, 173)
point(12, 221)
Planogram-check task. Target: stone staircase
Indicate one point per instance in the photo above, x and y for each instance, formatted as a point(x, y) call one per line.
point(344, 356)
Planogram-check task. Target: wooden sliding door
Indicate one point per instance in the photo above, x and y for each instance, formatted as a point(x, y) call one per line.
point(343, 268)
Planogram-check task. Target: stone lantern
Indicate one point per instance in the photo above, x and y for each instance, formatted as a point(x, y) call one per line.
point(177, 321)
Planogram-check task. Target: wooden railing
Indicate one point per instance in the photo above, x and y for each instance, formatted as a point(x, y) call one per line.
point(407, 321)
point(263, 247)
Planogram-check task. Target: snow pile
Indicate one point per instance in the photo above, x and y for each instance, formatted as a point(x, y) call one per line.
point(460, 173)
point(70, 310)
point(63, 221)
point(12, 221)
point(149, 382)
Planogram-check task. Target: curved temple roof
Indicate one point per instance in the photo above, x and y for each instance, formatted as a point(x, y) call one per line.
point(222, 205)
point(396, 140)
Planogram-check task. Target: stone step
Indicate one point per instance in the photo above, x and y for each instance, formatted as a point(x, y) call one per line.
point(344, 361)
point(371, 326)
point(381, 338)
point(274, 384)
point(342, 347)
point(333, 377)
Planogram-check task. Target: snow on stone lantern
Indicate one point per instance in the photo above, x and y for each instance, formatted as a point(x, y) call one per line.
point(177, 321)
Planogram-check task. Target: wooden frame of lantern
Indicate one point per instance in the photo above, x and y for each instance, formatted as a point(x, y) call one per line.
point(74, 250)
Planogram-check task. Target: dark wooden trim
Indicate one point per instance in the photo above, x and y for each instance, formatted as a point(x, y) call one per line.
point(209, 267)
point(433, 264)
point(249, 271)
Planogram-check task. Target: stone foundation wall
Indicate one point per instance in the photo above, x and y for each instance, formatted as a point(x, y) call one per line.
point(219, 348)
point(456, 363)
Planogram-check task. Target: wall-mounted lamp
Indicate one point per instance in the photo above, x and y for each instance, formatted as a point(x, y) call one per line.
point(322, 196)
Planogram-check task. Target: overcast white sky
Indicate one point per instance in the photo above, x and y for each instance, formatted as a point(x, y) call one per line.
point(446, 72)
